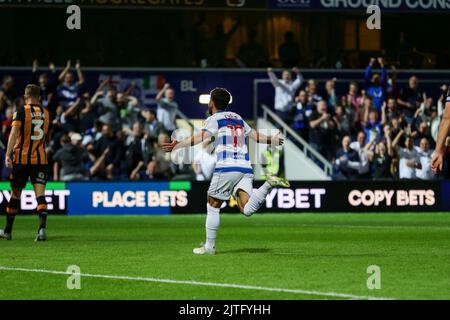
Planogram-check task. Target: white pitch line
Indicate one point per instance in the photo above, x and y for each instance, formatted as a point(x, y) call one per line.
point(354, 226)
point(200, 283)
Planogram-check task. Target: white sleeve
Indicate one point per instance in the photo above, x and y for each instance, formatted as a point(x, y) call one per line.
point(298, 82)
point(211, 126)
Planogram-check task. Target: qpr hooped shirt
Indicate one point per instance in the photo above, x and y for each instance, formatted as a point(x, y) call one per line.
point(230, 134)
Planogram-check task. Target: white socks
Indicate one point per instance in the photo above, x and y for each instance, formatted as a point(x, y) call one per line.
point(212, 225)
point(213, 214)
point(257, 199)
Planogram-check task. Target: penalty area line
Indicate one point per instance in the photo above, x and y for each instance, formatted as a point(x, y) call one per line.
point(200, 283)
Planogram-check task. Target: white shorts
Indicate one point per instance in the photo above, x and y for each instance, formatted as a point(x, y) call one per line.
point(225, 184)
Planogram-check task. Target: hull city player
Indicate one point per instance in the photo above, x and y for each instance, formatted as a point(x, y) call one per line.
point(27, 157)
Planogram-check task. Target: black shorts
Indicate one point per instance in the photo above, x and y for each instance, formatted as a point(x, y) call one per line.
point(20, 173)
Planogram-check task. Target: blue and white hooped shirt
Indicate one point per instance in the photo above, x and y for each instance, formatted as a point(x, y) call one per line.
point(230, 134)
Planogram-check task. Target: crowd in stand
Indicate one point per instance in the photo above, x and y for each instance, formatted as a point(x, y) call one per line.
point(106, 136)
point(379, 131)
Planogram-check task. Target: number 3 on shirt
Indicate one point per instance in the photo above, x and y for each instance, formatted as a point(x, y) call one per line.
point(38, 131)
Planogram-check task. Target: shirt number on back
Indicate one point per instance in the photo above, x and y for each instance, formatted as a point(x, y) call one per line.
point(38, 132)
point(237, 132)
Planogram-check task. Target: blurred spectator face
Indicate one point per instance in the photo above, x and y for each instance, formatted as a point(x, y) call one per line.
point(112, 94)
point(286, 76)
point(353, 89)
point(68, 78)
point(322, 107)
point(391, 104)
point(409, 144)
point(413, 82)
point(170, 94)
point(387, 130)
point(120, 98)
point(329, 85)
point(423, 127)
point(361, 138)
point(137, 130)
point(86, 95)
point(151, 116)
point(302, 96)
point(395, 123)
point(8, 83)
point(339, 111)
point(43, 80)
point(346, 142)
point(373, 116)
point(376, 80)
point(107, 130)
point(429, 103)
point(312, 87)
point(76, 138)
point(382, 148)
point(424, 145)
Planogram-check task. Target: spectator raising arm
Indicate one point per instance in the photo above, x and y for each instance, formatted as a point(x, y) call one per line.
point(314, 123)
point(273, 78)
point(79, 73)
point(368, 72)
point(160, 94)
point(298, 81)
point(135, 173)
point(65, 70)
point(397, 138)
point(99, 91)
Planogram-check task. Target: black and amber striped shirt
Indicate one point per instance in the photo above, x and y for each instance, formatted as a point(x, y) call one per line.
point(33, 122)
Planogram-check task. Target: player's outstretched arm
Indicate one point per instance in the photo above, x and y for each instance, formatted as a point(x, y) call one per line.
point(276, 139)
point(188, 142)
point(438, 157)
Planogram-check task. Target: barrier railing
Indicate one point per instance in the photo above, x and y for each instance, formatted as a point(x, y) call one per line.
point(309, 151)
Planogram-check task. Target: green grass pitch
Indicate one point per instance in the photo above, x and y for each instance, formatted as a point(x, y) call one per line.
point(305, 256)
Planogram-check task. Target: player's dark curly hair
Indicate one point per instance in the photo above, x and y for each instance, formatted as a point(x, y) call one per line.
point(221, 98)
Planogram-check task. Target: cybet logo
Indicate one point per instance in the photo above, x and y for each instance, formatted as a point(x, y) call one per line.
point(139, 199)
point(369, 198)
point(303, 198)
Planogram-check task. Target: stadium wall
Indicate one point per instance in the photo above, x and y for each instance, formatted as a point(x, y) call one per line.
point(185, 197)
